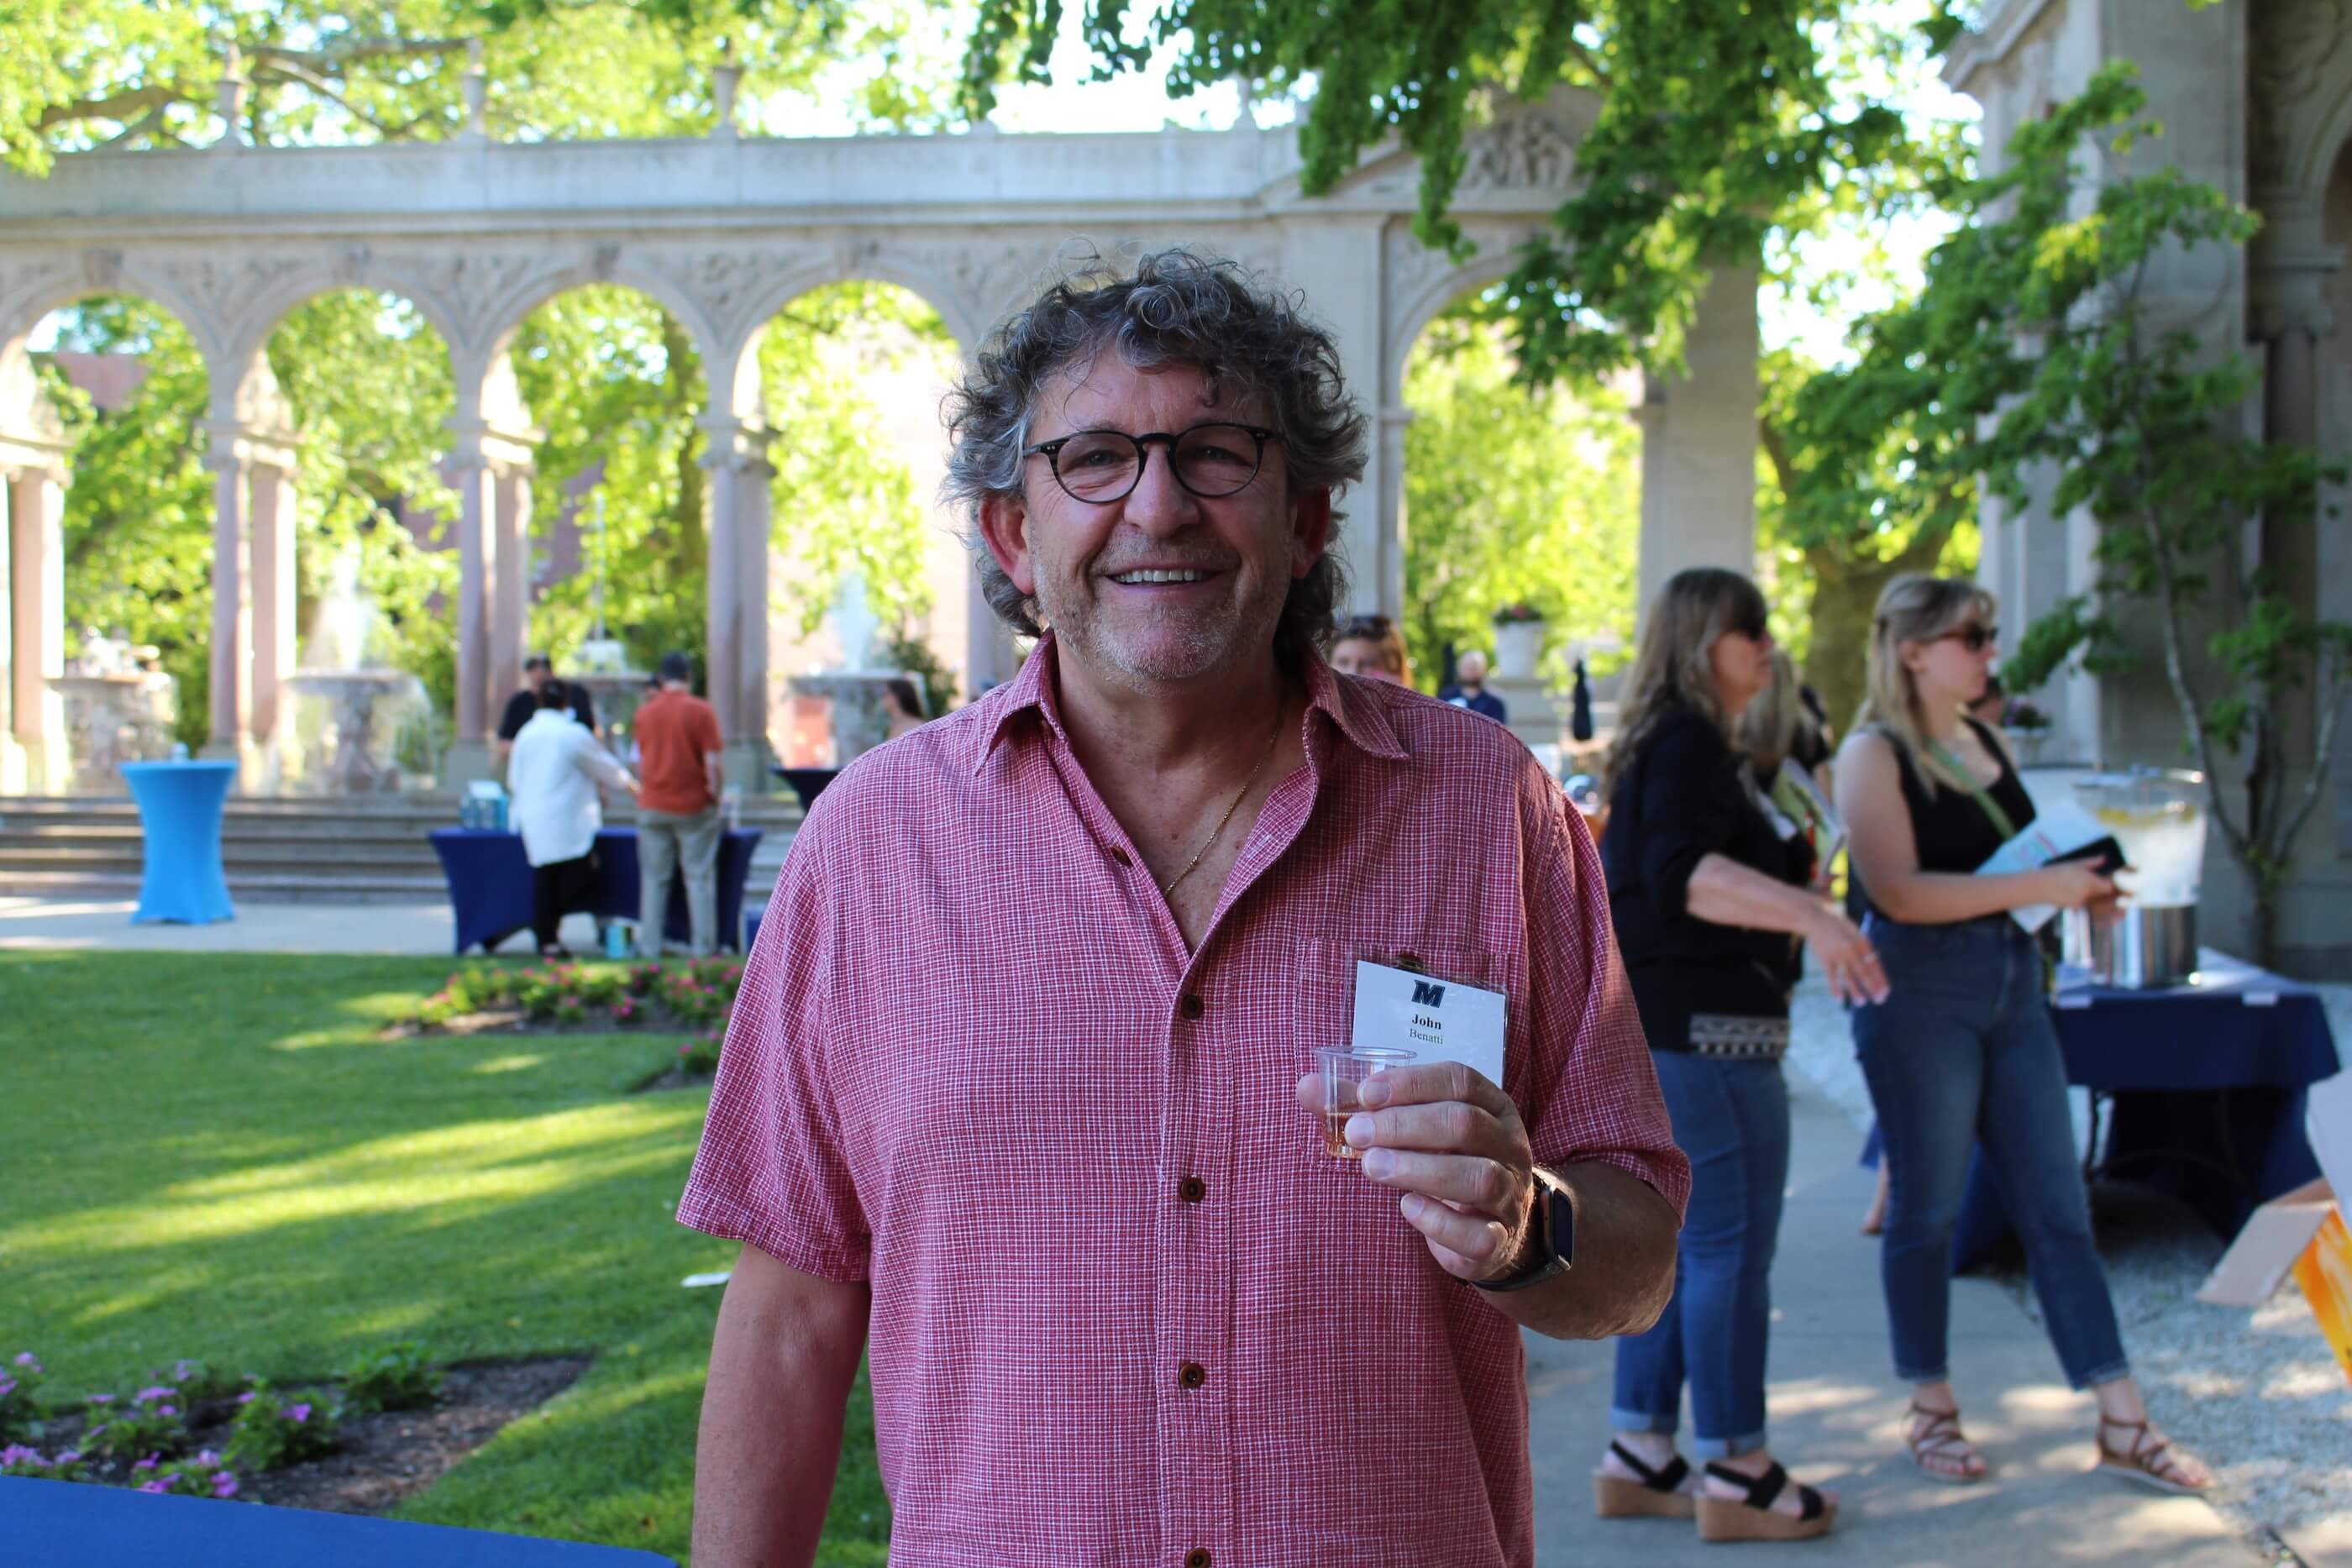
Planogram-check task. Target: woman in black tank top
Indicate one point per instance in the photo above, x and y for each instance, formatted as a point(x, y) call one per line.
point(1962, 1054)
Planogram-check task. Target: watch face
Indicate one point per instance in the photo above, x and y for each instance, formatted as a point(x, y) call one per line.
point(1564, 1226)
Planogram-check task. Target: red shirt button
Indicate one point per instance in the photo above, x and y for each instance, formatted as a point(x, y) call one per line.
point(1190, 1007)
point(1191, 1190)
point(1197, 1558)
point(1192, 1375)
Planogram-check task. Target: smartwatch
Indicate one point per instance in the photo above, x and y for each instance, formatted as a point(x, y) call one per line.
point(1555, 1226)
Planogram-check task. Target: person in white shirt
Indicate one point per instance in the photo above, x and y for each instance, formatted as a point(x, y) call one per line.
point(558, 775)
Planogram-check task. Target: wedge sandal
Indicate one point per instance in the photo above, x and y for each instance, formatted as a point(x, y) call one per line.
point(1658, 1494)
point(1719, 1519)
point(1936, 1436)
point(2144, 1461)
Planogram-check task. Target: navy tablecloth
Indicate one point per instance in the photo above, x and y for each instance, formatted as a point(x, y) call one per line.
point(489, 883)
point(2206, 1086)
point(114, 1526)
point(179, 820)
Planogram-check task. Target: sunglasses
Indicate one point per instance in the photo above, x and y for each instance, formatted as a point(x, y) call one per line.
point(1976, 637)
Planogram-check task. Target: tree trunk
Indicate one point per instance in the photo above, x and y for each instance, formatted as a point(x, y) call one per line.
point(1845, 597)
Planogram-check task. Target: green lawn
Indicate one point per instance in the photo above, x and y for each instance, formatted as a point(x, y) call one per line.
point(218, 1156)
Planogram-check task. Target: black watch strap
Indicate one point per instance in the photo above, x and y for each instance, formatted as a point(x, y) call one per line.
point(1555, 1222)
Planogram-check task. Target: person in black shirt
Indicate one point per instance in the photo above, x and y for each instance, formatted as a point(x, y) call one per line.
point(1965, 1056)
point(1710, 903)
point(537, 671)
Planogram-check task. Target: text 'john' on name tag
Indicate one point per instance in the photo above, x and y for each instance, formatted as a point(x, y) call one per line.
point(1435, 1019)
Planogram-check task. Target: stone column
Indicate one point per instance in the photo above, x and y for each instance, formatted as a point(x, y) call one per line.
point(1385, 587)
point(12, 755)
point(511, 610)
point(469, 749)
point(271, 553)
point(735, 456)
point(232, 660)
point(1698, 444)
point(37, 624)
point(723, 599)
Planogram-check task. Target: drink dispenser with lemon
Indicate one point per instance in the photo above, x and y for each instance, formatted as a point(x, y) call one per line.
point(2159, 819)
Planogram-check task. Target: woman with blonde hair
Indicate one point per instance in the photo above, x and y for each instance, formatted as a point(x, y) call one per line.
point(1965, 1055)
point(1710, 903)
point(1775, 736)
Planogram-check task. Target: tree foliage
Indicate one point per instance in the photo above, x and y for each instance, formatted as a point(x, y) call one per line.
point(1512, 497)
point(1718, 120)
point(2038, 347)
point(76, 74)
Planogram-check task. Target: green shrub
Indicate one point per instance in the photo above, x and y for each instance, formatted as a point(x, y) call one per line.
point(271, 1431)
point(20, 1416)
point(397, 1378)
point(150, 1422)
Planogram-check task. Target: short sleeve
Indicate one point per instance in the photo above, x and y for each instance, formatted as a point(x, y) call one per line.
point(706, 733)
point(1590, 1093)
point(770, 1170)
point(519, 707)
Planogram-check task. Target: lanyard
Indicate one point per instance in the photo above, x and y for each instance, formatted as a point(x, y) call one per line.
point(1959, 771)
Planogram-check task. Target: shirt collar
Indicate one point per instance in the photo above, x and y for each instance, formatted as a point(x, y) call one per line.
point(1355, 709)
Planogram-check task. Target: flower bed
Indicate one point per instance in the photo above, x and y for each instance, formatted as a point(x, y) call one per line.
point(194, 1431)
point(693, 999)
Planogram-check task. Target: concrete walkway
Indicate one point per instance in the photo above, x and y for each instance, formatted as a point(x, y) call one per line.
point(1837, 1420)
point(99, 922)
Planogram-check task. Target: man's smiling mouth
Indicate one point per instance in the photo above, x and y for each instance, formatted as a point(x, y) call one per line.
point(1133, 578)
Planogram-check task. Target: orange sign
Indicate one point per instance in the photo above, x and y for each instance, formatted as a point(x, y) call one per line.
point(2325, 1272)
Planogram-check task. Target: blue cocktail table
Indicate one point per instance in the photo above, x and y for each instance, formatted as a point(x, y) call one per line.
point(180, 815)
point(111, 1527)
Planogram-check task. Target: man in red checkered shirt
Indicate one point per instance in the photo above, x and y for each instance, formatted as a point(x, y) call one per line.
point(1016, 1095)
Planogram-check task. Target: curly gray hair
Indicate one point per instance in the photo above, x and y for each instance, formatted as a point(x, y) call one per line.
point(1175, 309)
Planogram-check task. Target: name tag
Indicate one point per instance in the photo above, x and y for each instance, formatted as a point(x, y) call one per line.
point(1435, 1019)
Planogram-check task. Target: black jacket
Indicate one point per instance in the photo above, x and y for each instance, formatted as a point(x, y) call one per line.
point(1679, 801)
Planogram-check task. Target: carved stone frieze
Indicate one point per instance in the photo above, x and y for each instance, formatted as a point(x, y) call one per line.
point(1534, 150)
point(478, 293)
point(2299, 47)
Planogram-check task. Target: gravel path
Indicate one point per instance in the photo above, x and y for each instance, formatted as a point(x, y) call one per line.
point(2258, 1395)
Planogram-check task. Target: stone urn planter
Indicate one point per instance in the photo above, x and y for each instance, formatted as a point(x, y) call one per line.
point(2026, 742)
point(1519, 648)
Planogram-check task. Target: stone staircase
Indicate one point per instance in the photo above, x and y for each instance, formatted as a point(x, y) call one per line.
point(347, 851)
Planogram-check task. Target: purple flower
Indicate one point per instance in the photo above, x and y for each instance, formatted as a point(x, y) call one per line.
point(160, 1391)
point(70, 1457)
point(224, 1484)
point(162, 1485)
point(167, 1410)
point(148, 1463)
point(208, 1458)
point(7, 1386)
point(101, 1399)
point(181, 1369)
point(92, 1435)
point(246, 1397)
point(18, 1454)
point(28, 1359)
point(298, 1413)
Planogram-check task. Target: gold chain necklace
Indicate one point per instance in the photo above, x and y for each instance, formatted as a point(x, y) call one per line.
point(1247, 784)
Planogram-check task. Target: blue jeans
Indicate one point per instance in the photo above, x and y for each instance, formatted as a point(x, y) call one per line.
point(1963, 1053)
point(1731, 1117)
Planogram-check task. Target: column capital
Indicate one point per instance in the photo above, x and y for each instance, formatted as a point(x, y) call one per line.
point(2287, 287)
point(476, 444)
point(226, 445)
point(740, 445)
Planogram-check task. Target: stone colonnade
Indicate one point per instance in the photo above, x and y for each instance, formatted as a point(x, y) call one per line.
point(723, 234)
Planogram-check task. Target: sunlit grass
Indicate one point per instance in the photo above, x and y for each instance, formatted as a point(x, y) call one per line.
point(222, 1157)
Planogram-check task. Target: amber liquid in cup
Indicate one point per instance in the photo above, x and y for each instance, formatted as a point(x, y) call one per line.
point(1344, 1070)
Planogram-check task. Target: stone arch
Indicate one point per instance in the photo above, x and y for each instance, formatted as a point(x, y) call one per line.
point(36, 465)
point(1421, 304)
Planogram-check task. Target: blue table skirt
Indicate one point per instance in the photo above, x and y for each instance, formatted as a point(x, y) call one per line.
point(180, 806)
point(2208, 1085)
point(489, 883)
point(115, 1527)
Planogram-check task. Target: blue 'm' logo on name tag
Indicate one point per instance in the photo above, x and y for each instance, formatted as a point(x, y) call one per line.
point(1426, 993)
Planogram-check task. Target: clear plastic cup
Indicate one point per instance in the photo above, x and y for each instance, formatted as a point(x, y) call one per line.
point(1344, 1069)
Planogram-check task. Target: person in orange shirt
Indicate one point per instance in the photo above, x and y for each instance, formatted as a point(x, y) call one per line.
point(677, 807)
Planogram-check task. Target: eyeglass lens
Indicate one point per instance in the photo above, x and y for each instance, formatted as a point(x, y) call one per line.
point(1210, 460)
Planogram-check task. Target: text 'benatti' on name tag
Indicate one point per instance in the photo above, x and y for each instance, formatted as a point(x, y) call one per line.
point(1435, 1019)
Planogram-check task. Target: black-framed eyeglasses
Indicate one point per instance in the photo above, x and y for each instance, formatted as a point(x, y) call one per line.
point(1212, 461)
point(1975, 636)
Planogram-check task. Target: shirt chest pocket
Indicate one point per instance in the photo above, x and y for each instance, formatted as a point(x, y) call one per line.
point(1325, 1010)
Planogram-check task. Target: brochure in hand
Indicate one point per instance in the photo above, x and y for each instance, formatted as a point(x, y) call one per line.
point(2063, 832)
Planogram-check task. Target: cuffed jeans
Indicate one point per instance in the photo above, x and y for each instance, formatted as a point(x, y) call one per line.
point(1731, 1117)
point(1963, 1053)
point(668, 841)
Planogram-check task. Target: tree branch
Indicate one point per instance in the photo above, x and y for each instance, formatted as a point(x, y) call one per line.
point(1775, 447)
point(115, 106)
point(2333, 688)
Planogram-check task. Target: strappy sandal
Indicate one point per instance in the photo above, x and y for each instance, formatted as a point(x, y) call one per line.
point(2144, 1461)
point(1658, 1494)
point(1932, 1437)
point(1719, 1519)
